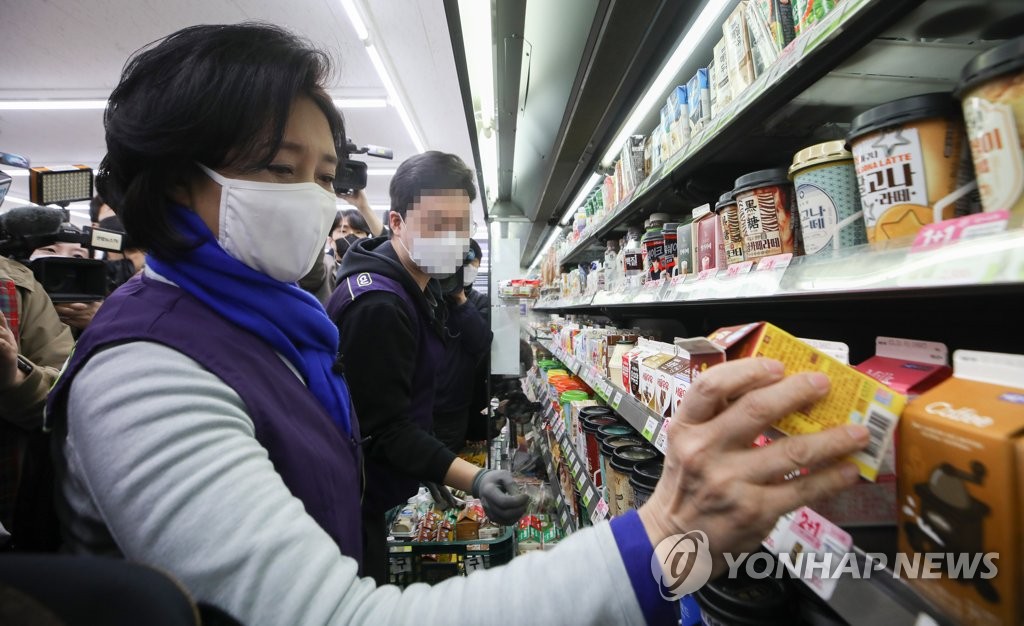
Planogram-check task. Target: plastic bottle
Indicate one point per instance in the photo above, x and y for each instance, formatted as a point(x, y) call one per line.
point(632, 260)
point(611, 255)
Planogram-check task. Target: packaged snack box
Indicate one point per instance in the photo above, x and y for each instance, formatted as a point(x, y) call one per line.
point(667, 381)
point(699, 99)
point(721, 89)
point(908, 366)
point(649, 378)
point(961, 489)
point(855, 398)
point(741, 66)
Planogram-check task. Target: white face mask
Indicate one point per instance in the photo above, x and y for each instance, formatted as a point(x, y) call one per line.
point(469, 275)
point(439, 255)
point(274, 228)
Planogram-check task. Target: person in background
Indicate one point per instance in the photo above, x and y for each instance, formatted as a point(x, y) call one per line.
point(201, 426)
point(34, 345)
point(77, 315)
point(121, 266)
point(467, 341)
point(361, 222)
point(98, 210)
point(469, 274)
point(390, 316)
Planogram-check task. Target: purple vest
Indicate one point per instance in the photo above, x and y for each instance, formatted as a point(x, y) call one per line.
point(318, 463)
point(386, 485)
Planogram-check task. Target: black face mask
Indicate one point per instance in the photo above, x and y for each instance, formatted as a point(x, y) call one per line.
point(342, 244)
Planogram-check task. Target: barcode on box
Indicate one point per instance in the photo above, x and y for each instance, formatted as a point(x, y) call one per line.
point(879, 423)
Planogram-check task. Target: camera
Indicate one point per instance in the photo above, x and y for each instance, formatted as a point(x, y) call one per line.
point(25, 229)
point(350, 175)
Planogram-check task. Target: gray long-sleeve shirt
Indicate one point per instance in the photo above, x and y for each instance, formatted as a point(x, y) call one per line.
point(162, 466)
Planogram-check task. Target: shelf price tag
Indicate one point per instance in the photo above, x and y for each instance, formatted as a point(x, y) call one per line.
point(649, 428)
point(943, 233)
point(739, 269)
point(776, 262)
point(564, 518)
point(806, 531)
point(601, 510)
point(661, 442)
point(707, 274)
point(616, 400)
point(588, 495)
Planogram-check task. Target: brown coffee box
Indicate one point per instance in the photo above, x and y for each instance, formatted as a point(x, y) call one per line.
point(961, 492)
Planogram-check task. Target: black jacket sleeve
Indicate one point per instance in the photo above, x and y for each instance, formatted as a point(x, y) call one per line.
point(378, 355)
point(469, 328)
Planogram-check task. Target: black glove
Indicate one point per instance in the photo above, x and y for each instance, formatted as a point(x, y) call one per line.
point(498, 495)
point(443, 498)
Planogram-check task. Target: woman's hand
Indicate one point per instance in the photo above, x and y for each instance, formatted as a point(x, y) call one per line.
point(715, 482)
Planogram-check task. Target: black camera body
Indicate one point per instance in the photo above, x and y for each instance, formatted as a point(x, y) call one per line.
point(350, 176)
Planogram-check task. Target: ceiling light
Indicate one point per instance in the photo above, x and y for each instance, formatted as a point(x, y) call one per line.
point(15, 173)
point(355, 19)
point(361, 103)
point(395, 97)
point(475, 17)
point(52, 105)
point(580, 197)
point(708, 18)
point(380, 171)
point(14, 200)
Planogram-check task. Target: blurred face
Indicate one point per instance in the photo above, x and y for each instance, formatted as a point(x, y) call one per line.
point(435, 232)
point(306, 155)
point(60, 249)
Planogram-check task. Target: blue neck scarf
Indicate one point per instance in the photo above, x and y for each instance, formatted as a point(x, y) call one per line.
point(292, 321)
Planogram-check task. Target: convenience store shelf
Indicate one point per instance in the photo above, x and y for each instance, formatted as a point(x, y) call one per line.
point(811, 56)
point(990, 263)
point(881, 599)
point(565, 517)
point(590, 496)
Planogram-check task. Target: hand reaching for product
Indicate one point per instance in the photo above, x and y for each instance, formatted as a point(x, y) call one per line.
point(499, 496)
point(715, 482)
point(443, 498)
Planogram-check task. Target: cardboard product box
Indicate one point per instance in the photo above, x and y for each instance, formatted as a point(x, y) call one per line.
point(721, 89)
point(649, 378)
point(631, 366)
point(699, 100)
point(737, 40)
point(708, 240)
point(763, 50)
point(961, 488)
point(908, 366)
point(778, 14)
point(679, 126)
point(855, 398)
point(676, 373)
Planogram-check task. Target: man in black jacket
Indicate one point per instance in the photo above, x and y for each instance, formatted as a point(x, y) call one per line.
point(390, 314)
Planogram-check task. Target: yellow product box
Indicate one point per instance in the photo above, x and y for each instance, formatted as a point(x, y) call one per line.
point(961, 489)
point(855, 398)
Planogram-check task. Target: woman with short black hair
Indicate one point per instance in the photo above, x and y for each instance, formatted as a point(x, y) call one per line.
point(203, 429)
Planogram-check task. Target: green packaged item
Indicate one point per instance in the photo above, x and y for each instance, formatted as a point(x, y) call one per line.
point(807, 13)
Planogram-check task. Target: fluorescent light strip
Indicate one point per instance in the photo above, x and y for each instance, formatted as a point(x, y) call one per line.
point(381, 171)
point(395, 97)
point(708, 17)
point(16, 173)
point(361, 103)
point(355, 19)
point(52, 105)
point(580, 197)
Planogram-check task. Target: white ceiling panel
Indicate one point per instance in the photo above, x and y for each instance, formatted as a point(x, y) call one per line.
point(63, 49)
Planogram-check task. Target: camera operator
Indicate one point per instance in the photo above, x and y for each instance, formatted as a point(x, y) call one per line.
point(77, 315)
point(121, 266)
point(34, 345)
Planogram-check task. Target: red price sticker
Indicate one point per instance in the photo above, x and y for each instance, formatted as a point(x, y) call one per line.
point(943, 233)
point(777, 262)
point(739, 269)
point(706, 274)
